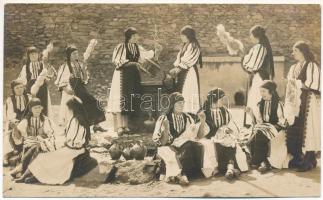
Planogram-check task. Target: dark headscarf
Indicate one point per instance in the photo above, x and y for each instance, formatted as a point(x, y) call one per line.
point(14, 83)
point(189, 32)
point(129, 32)
point(260, 33)
point(212, 97)
point(173, 98)
point(271, 87)
point(32, 103)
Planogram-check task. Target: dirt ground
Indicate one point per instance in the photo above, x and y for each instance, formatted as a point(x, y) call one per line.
point(283, 183)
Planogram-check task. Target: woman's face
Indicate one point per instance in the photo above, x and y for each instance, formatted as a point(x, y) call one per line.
point(33, 57)
point(184, 38)
point(36, 110)
point(218, 104)
point(253, 39)
point(19, 89)
point(74, 55)
point(297, 54)
point(265, 94)
point(134, 38)
point(178, 107)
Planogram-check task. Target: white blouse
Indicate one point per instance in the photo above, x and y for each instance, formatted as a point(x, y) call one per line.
point(75, 134)
point(312, 74)
point(34, 68)
point(64, 74)
point(119, 54)
point(43, 129)
point(255, 58)
point(188, 56)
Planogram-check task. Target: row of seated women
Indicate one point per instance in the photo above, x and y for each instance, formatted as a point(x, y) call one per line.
point(210, 142)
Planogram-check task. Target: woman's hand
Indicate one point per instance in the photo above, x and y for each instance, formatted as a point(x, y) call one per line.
point(201, 116)
point(248, 110)
point(173, 72)
point(68, 90)
point(166, 124)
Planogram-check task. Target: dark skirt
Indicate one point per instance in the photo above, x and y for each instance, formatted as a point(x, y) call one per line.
point(28, 155)
point(91, 105)
point(295, 136)
point(259, 148)
point(190, 158)
point(42, 94)
point(130, 89)
point(225, 155)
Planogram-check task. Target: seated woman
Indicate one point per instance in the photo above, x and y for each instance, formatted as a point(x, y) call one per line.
point(45, 168)
point(37, 135)
point(219, 120)
point(15, 109)
point(182, 156)
point(267, 145)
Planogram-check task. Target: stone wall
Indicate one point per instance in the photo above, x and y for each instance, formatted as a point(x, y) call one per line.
point(36, 24)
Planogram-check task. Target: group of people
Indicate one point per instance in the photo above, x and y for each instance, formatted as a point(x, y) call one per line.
point(191, 137)
point(209, 141)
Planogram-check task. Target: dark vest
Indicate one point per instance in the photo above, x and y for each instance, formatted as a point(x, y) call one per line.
point(273, 118)
point(20, 114)
point(130, 56)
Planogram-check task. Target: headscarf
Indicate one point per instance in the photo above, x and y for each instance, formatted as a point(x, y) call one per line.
point(173, 98)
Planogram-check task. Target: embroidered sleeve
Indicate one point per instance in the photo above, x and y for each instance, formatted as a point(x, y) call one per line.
point(10, 113)
point(22, 128)
point(160, 130)
point(63, 76)
point(48, 143)
point(254, 59)
point(119, 55)
point(189, 58)
point(75, 134)
point(23, 76)
point(312, 77)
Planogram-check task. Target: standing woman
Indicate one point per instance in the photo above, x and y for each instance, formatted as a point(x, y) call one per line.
point(259, 63)
point(29, 74)
point(304, 133)
point(71, 80)
point(186, 71)
point(126, 82)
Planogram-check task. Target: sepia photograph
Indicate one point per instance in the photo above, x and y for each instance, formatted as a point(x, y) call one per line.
point(195, 100)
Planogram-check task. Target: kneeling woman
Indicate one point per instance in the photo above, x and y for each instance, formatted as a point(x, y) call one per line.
point(219, 121)
point(268, 140)
point(56, 167)
point(181, 160)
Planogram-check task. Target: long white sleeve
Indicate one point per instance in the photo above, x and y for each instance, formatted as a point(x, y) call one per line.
point(254, 59)
point(189, 58)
